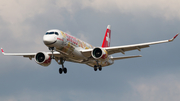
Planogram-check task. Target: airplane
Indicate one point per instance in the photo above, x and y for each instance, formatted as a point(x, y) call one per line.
point(65, 47)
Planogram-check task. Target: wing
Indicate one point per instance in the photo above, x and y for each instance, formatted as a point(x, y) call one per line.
point(123, 49)
point(32, 55)
point(29, 55)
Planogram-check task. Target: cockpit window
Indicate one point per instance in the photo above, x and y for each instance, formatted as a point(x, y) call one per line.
point(56, 33)
point(52, 33)
point(49, 33)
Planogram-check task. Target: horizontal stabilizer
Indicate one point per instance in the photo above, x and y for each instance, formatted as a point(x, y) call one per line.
point(126, 57)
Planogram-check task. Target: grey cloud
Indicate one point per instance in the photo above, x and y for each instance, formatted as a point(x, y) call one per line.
point(158, 88)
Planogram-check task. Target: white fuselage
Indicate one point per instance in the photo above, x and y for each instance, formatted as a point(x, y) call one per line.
point(70, 47)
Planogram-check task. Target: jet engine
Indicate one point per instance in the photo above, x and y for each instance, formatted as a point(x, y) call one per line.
point(99, 53)
point(43, 59)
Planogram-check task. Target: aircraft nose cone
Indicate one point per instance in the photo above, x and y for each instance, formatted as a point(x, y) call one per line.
point(49, 39)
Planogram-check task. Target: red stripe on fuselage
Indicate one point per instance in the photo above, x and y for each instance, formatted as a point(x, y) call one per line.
point(60, 39)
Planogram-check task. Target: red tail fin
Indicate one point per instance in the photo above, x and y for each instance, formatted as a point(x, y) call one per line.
point(107, 37)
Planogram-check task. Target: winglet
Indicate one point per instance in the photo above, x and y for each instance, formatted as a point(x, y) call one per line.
point(2, 51)
point(173, 37)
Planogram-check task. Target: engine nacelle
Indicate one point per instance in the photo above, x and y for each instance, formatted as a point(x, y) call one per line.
point(99, 53)
point(43, 59)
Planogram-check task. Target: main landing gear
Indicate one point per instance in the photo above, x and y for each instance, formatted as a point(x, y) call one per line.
point(97, 67)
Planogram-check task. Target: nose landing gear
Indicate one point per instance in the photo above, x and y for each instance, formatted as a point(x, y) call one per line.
point(63, 69)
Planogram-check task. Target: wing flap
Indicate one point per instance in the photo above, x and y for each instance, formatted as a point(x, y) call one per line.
point(126, 57)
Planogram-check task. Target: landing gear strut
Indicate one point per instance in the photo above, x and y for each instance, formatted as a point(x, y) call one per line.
point(63, 69)
point(52, 50)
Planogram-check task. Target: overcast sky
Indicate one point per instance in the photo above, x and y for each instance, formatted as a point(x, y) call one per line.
point(153, 77)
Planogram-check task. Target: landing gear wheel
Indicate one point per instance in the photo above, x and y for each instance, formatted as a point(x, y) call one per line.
point(60, 70)
point(95, 68)
point(65, 70)
point(100, 68)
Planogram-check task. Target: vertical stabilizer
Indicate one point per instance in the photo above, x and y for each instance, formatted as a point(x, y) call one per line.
point(107, 37)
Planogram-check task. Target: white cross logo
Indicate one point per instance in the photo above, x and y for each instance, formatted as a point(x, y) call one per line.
point(108, 39)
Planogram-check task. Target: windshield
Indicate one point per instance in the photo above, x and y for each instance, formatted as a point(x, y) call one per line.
point(52, 33)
